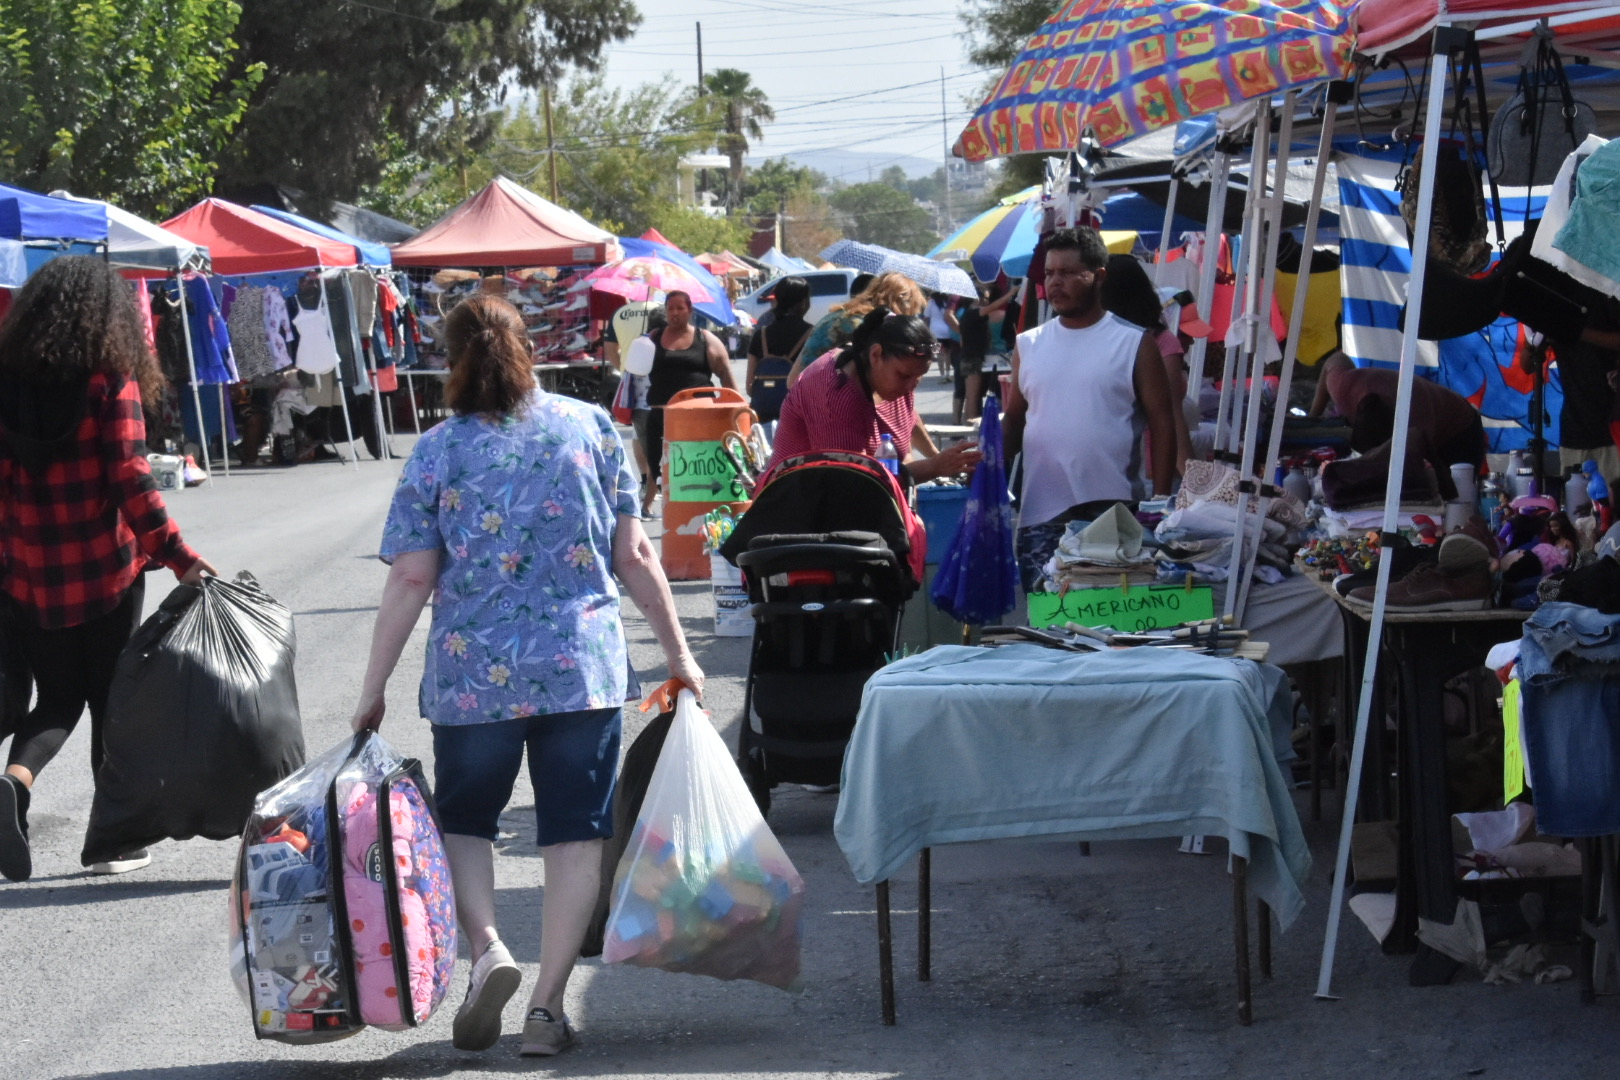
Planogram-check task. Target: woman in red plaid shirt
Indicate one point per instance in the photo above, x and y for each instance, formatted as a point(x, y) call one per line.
point(80, 515)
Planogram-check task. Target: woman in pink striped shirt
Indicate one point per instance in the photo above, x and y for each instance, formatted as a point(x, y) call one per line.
point(850, 400)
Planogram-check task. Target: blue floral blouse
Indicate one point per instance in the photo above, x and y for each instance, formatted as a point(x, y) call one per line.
point(522, 513)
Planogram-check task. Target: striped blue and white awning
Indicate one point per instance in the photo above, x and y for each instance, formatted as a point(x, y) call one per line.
point(1376, 264)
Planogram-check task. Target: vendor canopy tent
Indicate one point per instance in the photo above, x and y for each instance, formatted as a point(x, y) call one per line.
point(1385, 26)
point(244, 241)
point(784, 263)
point(28, 215)
point(369, 225)
point(1122, 68)
point(133, 243)
point(507, 225)
point(368, 252)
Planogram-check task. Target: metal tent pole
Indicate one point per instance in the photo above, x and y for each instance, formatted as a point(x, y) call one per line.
point(1296, 322)
point(1232, 372)
point(1169, 223)
point(1257, 329)
point(1438, 77)
point(1220, 170)
point(224, 436)
point(196, 393)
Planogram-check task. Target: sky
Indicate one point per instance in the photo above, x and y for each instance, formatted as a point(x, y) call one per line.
point(843, 76)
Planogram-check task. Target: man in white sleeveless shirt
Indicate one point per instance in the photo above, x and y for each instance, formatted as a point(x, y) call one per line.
point(1085, 386)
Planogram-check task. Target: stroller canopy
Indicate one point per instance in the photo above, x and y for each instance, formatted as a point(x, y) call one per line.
point(828, 493)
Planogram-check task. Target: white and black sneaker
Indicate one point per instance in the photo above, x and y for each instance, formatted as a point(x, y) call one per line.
point(495, 979)
point(545, 1035)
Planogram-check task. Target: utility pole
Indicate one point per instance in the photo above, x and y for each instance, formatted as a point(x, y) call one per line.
point(945, 143)
point(703, 174)
point(551, 145)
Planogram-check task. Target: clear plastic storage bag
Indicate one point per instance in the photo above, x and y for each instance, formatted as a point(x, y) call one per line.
point(342, 911)
point(704, 886)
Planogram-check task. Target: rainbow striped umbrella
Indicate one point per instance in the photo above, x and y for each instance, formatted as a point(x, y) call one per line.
point(1123, 68)
point(1003, 237)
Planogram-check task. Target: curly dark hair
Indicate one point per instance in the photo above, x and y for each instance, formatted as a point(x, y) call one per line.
point(75, 317)
point(491, 370)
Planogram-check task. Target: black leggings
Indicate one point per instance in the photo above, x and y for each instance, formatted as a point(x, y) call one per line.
point(655, 446)
point(73, 667)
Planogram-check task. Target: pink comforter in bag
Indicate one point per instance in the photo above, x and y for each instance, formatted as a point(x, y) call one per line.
point(399, 903)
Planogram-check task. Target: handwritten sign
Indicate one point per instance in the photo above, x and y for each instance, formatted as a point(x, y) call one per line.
point(702, 472)
point(1141, 607)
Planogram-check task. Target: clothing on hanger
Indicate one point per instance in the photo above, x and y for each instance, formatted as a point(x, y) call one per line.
point(210, 342)
point(317, 348)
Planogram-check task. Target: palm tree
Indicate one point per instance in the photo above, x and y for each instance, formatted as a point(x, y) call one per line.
point(740, 108)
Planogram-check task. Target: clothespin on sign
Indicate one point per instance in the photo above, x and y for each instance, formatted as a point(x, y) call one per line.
point(1125, 584)
point(1189, 581)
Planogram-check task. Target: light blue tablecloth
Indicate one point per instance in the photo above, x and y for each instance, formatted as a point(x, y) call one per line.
point(962, 744)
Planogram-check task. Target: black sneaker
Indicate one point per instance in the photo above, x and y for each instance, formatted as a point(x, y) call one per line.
point(16, 861)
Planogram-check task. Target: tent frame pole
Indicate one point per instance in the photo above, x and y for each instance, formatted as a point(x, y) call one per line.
point(1296, 323)
point(1256, 329)
point(1232, 372)
point(1162, 256)
point(1445, 36)
point(196, 392)
point(1220, 170)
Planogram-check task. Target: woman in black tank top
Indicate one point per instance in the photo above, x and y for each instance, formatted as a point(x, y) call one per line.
point(685, 357)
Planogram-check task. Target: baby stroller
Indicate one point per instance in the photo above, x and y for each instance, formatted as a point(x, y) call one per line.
point(830, 552)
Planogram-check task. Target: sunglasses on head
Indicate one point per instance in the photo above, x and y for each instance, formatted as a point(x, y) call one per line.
point(919, 352)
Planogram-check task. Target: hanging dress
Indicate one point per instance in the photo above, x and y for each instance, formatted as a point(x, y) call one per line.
point(317, 351)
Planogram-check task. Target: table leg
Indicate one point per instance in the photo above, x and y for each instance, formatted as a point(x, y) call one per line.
point(1240, 933)
point(1591, 849)
point(1263, 918)
point(885, 953)
point(1085, 848)
point(925, 914)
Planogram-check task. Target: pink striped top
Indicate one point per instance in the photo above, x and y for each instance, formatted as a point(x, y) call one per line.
point(829, 410)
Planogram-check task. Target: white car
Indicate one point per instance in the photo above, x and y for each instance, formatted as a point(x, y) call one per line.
point(827, 289)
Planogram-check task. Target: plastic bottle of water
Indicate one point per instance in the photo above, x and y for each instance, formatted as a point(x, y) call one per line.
point(889, 456)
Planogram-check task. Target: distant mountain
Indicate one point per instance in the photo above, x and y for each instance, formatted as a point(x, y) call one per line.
point(854, 166)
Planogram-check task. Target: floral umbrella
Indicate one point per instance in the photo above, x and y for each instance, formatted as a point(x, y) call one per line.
point(1123, 68)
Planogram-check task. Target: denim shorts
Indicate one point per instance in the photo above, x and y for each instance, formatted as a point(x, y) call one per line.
point(573, 758)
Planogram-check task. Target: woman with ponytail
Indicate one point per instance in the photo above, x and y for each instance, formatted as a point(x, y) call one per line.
point(850, 400)
point(516, 515)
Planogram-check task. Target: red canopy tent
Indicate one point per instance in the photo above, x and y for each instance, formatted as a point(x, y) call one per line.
point(1385, 26)
point(507, 225)
point(249, 242)
point(659, 238)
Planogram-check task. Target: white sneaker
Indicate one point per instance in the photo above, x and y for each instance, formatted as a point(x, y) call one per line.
point(495, 979)
point(135, 860)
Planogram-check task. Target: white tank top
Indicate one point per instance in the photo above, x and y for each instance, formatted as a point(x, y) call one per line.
point(1083, 432)
point(317, 349)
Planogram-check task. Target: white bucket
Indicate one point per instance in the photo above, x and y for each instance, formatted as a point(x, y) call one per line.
point(732, 617)
point(168, 471)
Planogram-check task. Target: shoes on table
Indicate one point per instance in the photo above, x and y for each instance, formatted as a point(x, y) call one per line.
point(495, 979)
point(545, 1035)
point(1429, 588)
point(16, 861)
point(1469, 546)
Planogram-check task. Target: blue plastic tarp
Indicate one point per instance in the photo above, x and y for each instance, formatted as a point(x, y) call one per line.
point(28, 215)
point(371, 253)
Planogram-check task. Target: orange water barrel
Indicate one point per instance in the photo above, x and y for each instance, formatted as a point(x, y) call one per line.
point(698, 476)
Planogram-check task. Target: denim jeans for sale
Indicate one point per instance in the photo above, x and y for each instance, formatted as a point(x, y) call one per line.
point(1569, 665)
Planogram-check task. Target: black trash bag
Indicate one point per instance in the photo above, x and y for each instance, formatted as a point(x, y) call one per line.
point(202, 716)
point(639, 762)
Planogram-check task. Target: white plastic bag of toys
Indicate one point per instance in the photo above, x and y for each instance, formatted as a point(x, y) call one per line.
point(704, 886)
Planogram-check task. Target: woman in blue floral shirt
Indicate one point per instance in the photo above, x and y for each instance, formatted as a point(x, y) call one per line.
point(516, 515)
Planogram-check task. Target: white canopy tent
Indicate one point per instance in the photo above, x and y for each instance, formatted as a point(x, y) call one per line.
point(133, 243)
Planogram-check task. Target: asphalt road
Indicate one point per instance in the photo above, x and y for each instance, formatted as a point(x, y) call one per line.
point(1046, 963)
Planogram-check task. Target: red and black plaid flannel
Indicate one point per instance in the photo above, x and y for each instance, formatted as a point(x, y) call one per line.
point(74, 539)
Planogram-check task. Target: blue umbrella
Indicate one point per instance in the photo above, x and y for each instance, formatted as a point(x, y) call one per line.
point(877, 259)
point(977, 581)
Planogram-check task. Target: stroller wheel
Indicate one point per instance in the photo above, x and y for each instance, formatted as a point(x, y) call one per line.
point(753, 773)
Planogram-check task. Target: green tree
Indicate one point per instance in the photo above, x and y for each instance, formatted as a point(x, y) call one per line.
point(998, 30)
point(124, 100)
point(770, 185)
point(738, 109)
point(693, 231)
point(876, 213)
point(351, 87)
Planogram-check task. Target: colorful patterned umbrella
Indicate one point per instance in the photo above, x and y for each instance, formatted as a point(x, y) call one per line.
point(1003, 237)
point(651, 269)
point(1123, 68)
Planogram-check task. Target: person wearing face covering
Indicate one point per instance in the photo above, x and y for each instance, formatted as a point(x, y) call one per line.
point(850, 400)
point(1085, 387)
